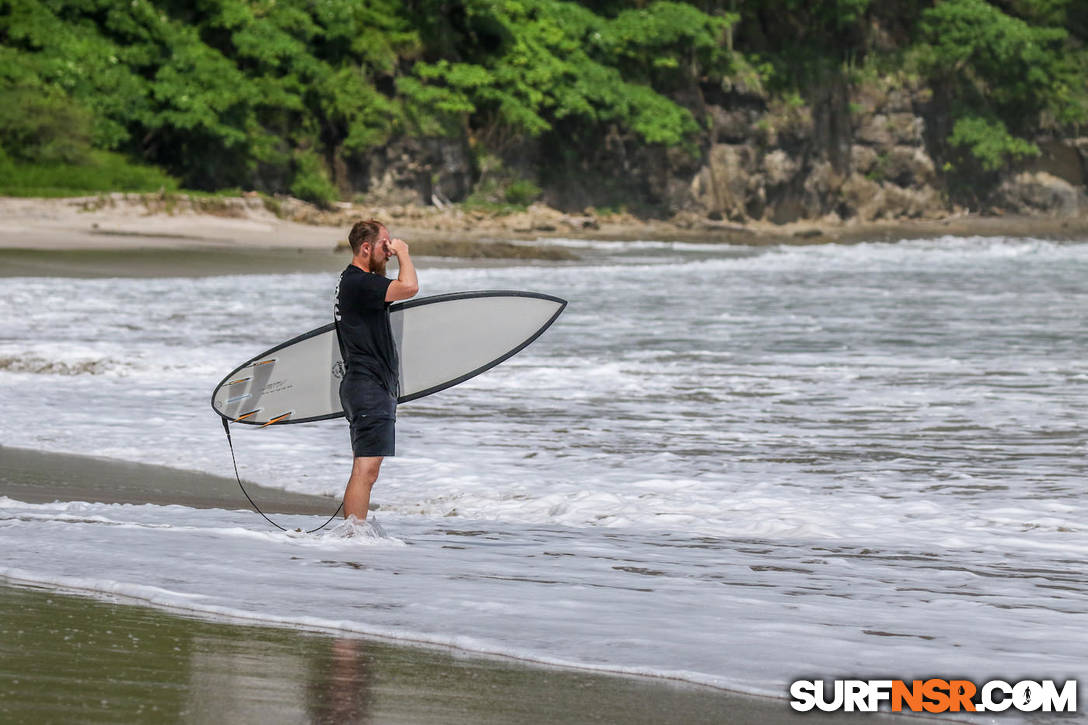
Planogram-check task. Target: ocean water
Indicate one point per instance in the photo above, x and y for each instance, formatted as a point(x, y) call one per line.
point(738, 466)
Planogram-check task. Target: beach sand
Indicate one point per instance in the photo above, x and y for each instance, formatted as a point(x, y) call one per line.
point(142, 222)
point(56, 225)
point(36, 477)
point(149, 262)
point(193, 262)
point(91, 657)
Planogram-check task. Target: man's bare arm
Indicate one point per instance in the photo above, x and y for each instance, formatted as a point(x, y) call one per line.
point(405, 285)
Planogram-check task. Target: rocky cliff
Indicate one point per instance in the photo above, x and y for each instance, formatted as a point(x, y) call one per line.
point(848, 152)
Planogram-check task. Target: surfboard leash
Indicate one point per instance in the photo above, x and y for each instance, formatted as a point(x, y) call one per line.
point(234, 460)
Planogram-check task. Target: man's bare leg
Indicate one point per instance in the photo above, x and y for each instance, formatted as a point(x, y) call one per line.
point(364, 472)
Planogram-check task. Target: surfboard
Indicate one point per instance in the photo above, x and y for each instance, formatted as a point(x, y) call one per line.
point(441, 341)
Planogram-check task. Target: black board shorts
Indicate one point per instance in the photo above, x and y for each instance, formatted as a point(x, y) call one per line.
point(372, 415)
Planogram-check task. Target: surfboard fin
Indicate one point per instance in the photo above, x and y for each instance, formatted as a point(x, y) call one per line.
point(278, 418)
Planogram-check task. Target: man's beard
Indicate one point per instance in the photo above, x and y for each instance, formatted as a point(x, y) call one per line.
point(377, 264)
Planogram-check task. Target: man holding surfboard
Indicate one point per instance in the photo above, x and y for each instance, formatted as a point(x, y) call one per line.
point(370, 386)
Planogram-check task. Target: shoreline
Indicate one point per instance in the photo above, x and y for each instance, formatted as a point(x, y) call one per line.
point(126, 223)
point(105, 633)
point(128, 661)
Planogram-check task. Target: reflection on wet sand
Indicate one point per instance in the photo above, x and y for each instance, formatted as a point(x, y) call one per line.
point(339, 689)
point(65, 658)
point(274, 679)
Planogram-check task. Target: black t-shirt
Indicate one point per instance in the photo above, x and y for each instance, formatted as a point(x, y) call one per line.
point(362, 317)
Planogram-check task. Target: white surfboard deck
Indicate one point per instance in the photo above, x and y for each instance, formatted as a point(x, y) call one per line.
point(441, 341)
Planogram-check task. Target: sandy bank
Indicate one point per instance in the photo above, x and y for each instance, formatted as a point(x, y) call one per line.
point(119, 222)
point(128, 223)
point(39, 477)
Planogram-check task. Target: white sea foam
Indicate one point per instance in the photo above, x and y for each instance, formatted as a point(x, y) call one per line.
point(732, 612)
point(614, 247)
point(873, 453)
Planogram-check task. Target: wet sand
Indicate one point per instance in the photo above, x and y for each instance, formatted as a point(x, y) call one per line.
point(37, 477)
point(146, 262)
point(71, 658)
point(93, 657)
point(192, 262)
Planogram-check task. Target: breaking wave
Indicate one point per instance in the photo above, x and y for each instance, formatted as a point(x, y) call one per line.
point(37, 365)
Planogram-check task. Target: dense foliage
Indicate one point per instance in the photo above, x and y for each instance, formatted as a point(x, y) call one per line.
point(292, 95)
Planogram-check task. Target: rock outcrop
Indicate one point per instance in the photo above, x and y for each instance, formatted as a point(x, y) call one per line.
point(851, 153)
point(860, 154)
point(417, 171)
point(1042, 192)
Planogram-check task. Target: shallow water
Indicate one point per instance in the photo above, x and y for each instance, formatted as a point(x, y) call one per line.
point(732, 465)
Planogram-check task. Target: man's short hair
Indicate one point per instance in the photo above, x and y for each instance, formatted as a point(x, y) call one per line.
point(363, 233)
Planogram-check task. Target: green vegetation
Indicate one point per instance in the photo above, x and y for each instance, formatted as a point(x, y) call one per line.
point(295, 96)
point(526, 65)
point(523, 192)
point(98, 171)
point(46, 145)
point(1004, 75)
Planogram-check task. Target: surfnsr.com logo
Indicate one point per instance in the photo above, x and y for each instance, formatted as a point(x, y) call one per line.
point(934, 696)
